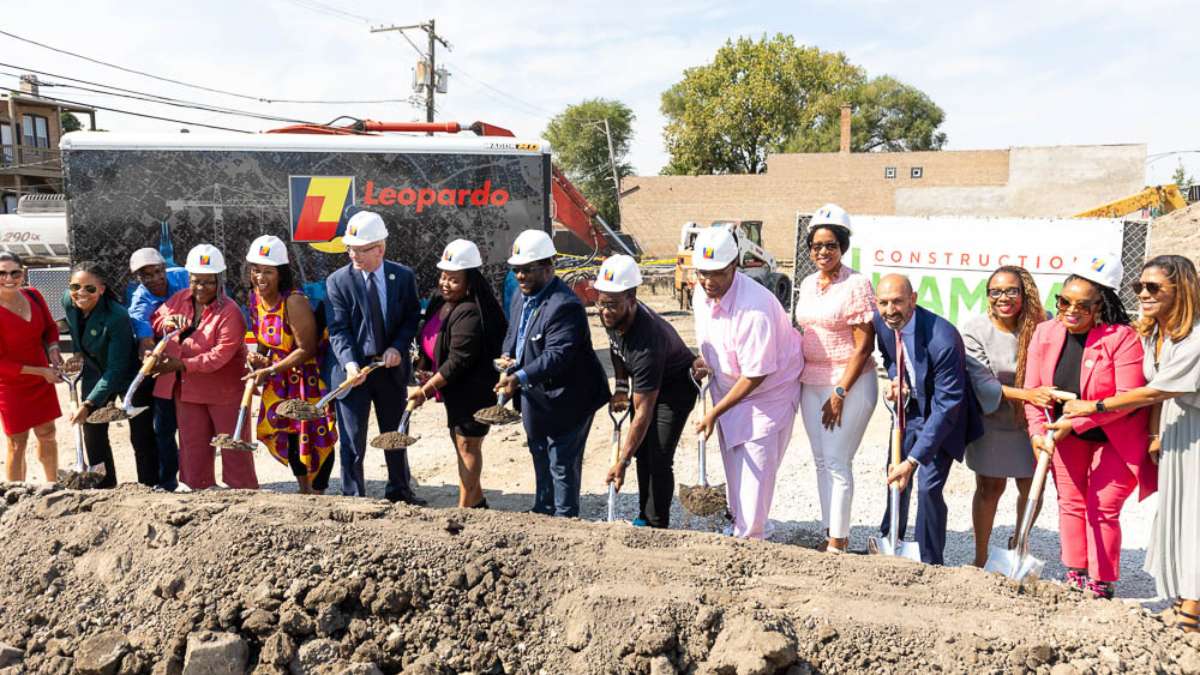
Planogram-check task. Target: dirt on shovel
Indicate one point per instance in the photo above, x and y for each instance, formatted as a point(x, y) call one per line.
point(80, 480)
point(497, 415)
point(393, 440)
point(227, 442)
point(108, 414)
point(297, 409)
point(703, 500)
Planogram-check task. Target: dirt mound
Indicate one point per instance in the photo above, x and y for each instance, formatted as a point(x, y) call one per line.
point(1177, 232)
point(130, 581)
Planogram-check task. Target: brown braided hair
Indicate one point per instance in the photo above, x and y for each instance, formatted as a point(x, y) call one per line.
point(1032, 313)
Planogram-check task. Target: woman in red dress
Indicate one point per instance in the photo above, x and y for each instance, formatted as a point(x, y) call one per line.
point(28, 345)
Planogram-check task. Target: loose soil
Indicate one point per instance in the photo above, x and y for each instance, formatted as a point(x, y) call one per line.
point(392, 440)
point(297, 409)
point(108, 414)
point(703, 500)
point(131, 581)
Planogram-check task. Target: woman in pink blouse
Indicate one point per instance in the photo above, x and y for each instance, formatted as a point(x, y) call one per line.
point(834, 311)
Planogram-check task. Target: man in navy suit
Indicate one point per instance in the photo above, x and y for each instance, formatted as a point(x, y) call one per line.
point(550, 361)
point(372, 311)
point(941, 413)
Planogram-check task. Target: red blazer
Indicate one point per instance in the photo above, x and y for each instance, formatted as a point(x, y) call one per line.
point(1112, 363)
point(214, 354)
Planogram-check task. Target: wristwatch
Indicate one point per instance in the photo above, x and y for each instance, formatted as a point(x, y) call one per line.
point(840, 391)
point(1100, 406)
point(913, 461)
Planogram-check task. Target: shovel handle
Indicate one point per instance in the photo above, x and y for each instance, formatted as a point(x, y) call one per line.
point(701, 459)
point(248, 392)
point(155, 353)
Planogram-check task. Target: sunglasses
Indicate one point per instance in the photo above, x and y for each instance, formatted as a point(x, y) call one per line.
point(1010, 293)
point(831, 246)
point(1063, 304)
point(529, 269)
point(86, 288)
point(14, 274)
point(1151, 287)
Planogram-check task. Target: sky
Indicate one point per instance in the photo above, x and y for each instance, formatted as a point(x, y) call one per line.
point(1017, 73)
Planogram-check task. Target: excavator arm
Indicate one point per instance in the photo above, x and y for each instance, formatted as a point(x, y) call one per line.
point(1159, 198)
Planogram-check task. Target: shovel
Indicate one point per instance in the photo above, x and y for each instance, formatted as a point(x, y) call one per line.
point(127, 409)
point(617, 420)
point(702, 500)
point(398, 439)
point(892, 544)
point(1017, 563)
point(235, 442)
point(299, 409)
point(81, 476)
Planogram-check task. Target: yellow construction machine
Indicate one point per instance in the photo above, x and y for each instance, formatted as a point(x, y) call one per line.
point(1158, 199)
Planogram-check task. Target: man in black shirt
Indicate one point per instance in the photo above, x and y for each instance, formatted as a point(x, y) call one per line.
point(648, 352)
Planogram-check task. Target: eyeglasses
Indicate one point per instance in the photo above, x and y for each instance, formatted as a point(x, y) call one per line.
point(14, 274)
point(1085, 306)
point(608, 306)
point(87, 288)
point(207, 283)
point(1010, 293)
point(818, 246)
point(528, 269)
point(1151, 287)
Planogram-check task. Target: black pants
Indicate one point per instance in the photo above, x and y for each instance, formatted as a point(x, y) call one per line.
point(143, 436)
point(320, 481)
point(656, 459)
point(145, 449)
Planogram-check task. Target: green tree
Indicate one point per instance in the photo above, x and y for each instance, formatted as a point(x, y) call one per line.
point(581, 149)
point(887, 115)
point(770, 95)
point(1180, 176)
point(70, 122)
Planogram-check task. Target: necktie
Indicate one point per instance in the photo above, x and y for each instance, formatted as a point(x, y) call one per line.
point(376, 310)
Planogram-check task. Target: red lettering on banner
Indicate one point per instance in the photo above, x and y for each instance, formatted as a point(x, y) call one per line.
point(368, 198)
point(427, 197)
point(1056, 262)
point(879, 255)
point(445, 197)
point(406, 196)
point(387, 196)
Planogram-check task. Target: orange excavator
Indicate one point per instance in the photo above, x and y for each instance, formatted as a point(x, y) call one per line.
point(570, 210)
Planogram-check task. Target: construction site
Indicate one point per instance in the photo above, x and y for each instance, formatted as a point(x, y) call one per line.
point(141, 580)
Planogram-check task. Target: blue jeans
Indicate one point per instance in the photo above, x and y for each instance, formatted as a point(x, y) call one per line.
point(165, 427)
point(557, 470)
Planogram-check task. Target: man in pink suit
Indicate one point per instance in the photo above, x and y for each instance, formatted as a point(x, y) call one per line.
point(748, 346)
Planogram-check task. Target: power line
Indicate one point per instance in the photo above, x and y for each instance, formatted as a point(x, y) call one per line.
point(130, 112)
point(162, 100)
point(181, 83)
point(529, 107)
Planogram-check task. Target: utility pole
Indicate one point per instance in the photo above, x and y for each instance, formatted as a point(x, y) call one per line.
point(612, 164)
point(430, 79)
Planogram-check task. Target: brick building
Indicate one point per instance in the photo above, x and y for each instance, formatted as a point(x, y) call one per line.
point(30, 127)
point(1029, 182)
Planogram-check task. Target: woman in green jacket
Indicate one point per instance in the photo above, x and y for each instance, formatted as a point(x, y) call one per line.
point(103, 339)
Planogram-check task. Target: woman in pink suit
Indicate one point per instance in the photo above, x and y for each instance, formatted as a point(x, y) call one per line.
point(1090, 350)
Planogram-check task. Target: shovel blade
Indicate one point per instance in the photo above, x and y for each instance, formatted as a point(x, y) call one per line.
point(134, 411)
point(1012, 564)
point(910, 550)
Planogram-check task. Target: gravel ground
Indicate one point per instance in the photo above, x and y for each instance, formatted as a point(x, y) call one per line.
point(508, 481)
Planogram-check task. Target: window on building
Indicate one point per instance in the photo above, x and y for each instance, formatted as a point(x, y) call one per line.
point(35, 131)
point(6, 144)
point(889, 172)
point(917, 172)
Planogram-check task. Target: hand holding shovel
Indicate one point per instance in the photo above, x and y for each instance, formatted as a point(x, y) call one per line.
point(235, 441)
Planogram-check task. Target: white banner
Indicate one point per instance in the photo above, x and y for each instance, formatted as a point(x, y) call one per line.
point(949, 259)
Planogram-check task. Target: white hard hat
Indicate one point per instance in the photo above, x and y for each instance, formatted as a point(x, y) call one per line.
point(205, 259)
point(1105, 269)
point(531, 246)
point(830, 214)
point(618, 273)
point(363, 228)
point(143, 257)
point(715, 249)
point(267, 250)
point(460, 254)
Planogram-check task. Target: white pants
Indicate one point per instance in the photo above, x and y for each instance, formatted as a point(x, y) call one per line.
point(750, 471)
point(833, 449)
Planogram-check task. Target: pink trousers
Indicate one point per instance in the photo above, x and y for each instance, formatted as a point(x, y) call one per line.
point(750, 470)
point(198, 423)
point(1093, 483)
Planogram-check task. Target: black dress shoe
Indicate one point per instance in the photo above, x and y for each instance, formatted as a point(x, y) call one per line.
point(411, 499)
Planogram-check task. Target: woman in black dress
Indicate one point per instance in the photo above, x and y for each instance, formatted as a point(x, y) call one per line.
point(461, 333)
